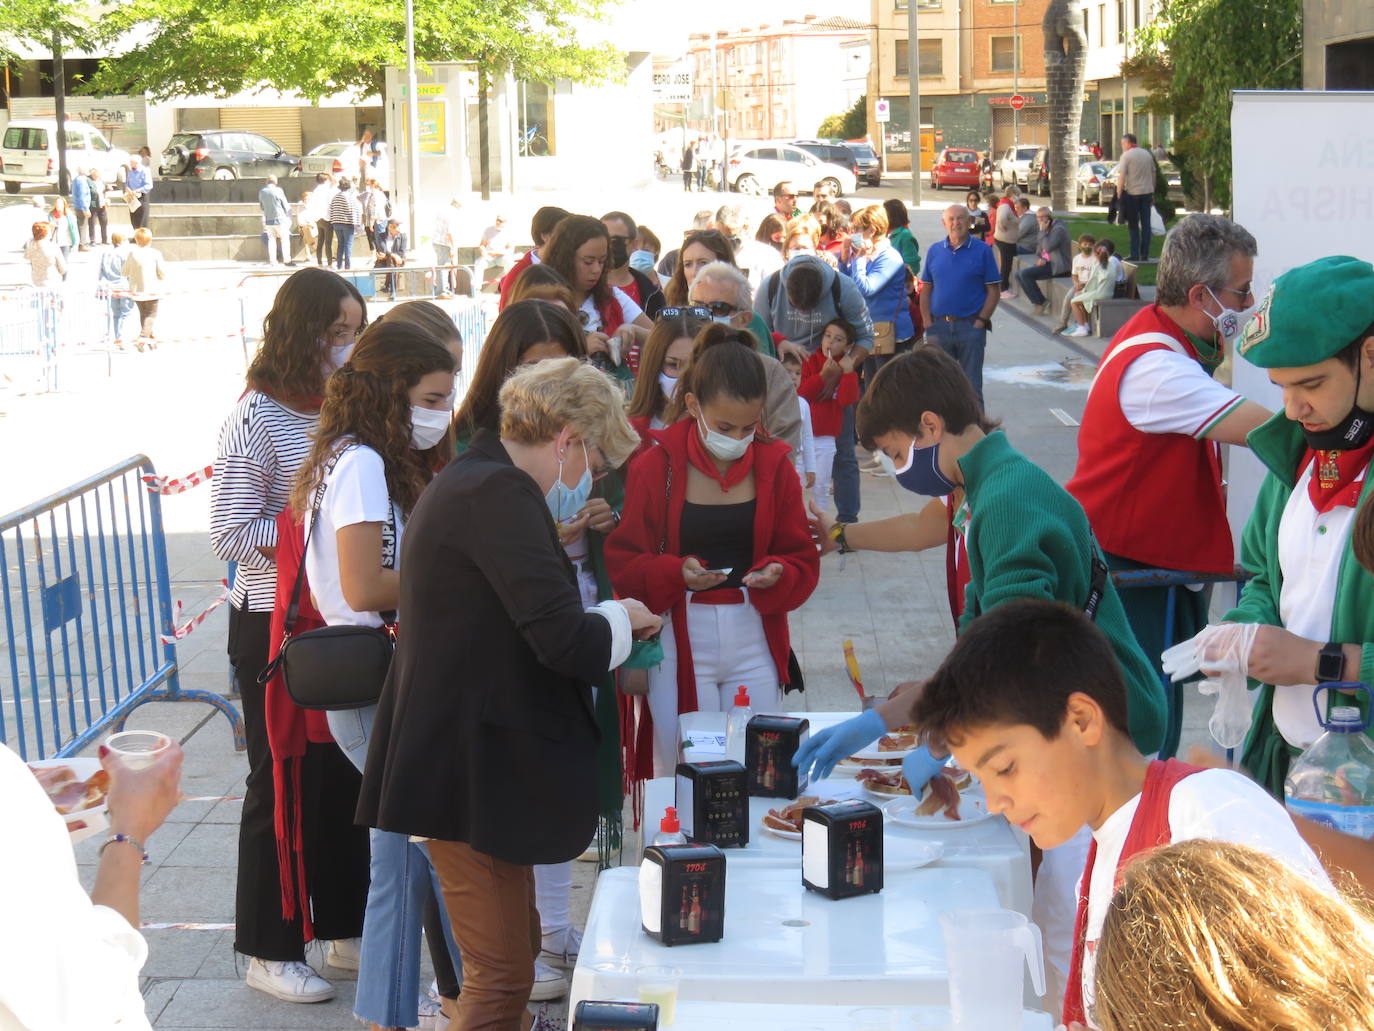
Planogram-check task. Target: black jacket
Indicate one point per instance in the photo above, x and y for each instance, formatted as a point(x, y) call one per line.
point(485, 731)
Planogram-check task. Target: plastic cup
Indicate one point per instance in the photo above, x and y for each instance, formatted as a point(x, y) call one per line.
point(872, 1018)
point(137, 748)
point(659, 985)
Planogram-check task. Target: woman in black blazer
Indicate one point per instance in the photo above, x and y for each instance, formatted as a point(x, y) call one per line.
point(484, 738)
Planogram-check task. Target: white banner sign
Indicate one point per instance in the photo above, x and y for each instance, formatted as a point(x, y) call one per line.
point(673, 85)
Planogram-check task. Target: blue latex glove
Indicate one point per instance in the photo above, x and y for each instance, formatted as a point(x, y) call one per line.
point(919, 766)
point(822, 750)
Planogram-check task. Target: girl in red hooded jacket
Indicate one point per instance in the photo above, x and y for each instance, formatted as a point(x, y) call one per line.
point(713, 533)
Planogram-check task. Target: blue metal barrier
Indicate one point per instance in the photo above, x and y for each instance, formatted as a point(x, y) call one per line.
point(1175, 581)
point(31, 319)
point(87, 600)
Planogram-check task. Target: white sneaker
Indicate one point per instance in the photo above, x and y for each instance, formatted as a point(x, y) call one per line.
point(289, 981)
point(561, 947)
point(344, 954)
point(548, 983)
point(1079, 331)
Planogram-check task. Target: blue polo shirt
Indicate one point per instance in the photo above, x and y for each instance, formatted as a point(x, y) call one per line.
point(960, 277)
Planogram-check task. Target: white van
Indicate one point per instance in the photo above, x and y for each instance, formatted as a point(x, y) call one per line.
point(26, 154)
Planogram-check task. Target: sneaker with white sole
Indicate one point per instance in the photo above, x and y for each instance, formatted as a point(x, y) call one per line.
point(291, 981)
point(561, 947)
point(1079, 331)
point(344, 954)
point(548, 983)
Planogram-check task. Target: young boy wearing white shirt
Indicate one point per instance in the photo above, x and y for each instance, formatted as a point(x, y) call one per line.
point(1031, 702)
point(805, 456)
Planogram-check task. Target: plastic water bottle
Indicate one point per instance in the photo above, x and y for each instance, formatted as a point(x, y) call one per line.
point(669, 829)
point(1332, 783)
point(735, 724)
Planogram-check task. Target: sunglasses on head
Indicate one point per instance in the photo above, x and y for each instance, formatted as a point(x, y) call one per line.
point(721, 307)
point(693, 312)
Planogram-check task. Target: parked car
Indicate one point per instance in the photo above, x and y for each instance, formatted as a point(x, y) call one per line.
point(1038, 174)
point(1095, 184)
point(26, 155)
point(830, 153)
point(955, 166)
point(756, 168)
point(870, 168)
point(1014, 165)
point(341, 158)
point(1174, 178)
point(224, 154)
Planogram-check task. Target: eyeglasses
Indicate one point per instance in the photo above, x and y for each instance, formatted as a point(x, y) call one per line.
point(1242, 294)
point(694, 312)
point(600, 474)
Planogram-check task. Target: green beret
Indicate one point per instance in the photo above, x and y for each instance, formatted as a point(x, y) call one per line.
point(1310, 314)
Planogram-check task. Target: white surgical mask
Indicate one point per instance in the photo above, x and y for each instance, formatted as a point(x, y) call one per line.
point(668, 384)
point(722, 445)
point(428, 426)
point(338, 355)
point(1230, 322)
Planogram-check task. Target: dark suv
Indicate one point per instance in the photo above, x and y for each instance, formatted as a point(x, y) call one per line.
point(830, 153)
point(224, 154)
point(1038, 179)
point(870, 168)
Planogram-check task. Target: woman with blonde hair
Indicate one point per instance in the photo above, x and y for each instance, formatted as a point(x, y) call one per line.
point(1210, 936)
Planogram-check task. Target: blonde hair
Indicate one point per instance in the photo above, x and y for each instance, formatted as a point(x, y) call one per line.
point(538, 400)
point(142, 237)
point(1210, 936)
point(873, 217)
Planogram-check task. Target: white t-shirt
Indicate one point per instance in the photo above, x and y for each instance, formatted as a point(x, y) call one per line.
point(1220, 805)
point(1082, 266)
point(1168, 392)
point(628, 309)
point(64, 961)
point(805, 456)
point(355, 492)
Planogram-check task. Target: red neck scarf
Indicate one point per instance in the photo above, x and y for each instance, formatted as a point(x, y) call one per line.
point(1336, 476)
point(701, 459)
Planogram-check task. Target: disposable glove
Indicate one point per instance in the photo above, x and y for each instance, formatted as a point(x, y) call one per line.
point(919, 766)
point(1222, 653)
point(819, 753)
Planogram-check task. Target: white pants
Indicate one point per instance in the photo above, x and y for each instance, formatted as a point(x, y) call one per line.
point(728, 649)
point(278, 234)
point(825, 467)
point(553, 895)
point(1054, 909)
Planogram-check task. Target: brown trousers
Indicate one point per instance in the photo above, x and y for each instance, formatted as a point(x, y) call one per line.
point(491, 907)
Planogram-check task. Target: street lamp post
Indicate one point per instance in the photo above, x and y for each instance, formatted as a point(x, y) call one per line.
point(913, 75)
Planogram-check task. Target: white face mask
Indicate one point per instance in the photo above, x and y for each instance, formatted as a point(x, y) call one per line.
point(338, 355)
point(668, 384)
point(428, 426)
point(1230, 323)
point(722, 445)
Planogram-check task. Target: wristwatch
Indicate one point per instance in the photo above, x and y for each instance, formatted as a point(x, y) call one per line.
point(1331, 663)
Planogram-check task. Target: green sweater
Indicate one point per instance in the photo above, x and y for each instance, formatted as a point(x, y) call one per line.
point(1030, 539)
point(1279, 444)
point(907, 247)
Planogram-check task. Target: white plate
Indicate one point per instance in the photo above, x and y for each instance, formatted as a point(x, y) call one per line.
point(874, 753)
point(973, 809)
point(85, 823)
point(779, 833)
point(884, 794)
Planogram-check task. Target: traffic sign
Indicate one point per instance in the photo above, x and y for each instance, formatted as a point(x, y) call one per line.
point(1017, 102)
point(882, 111)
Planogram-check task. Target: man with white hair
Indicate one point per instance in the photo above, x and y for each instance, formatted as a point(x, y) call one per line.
point(962, 285)
point(721, 289)
point(138, 187)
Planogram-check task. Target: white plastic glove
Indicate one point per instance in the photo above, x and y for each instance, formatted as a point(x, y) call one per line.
point(1222, 653)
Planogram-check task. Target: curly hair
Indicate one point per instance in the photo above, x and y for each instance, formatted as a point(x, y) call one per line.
point(1210, 936)
point(560, 253)
point(539, 400)
point(289, 364)
point(367, 401)
point(517, 329)
point(715, 242)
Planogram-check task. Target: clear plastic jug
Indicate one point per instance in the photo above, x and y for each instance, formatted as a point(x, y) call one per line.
point(1332, 782)
point(987, 951)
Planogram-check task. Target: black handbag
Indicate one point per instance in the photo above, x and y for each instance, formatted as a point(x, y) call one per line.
point(334, 667)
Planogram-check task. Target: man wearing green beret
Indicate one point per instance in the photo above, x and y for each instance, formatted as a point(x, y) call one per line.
point(1315, 603)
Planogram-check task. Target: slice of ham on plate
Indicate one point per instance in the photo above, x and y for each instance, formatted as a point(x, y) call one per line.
point(78, 789)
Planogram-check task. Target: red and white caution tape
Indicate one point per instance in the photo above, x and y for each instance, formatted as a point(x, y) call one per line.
point(184, 629)
point(178, 485)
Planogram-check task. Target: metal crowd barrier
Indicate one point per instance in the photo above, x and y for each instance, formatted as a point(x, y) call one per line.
point(33, 321)
point(1175, 581)
point(87, 602)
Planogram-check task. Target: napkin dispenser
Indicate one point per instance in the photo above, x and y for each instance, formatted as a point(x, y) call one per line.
point(682, 893)
point(770, 742)
point(713, 803)
point(615, 1016)
point(842, 849)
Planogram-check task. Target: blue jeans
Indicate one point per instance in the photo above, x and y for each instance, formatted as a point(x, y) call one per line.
point(965, 343)
point(1136, 208)
point(343, 235)
point(389, 970)
point(845, 471)
point(1030, 281)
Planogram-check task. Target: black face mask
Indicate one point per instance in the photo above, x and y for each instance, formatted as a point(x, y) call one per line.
point(620, 252)
point(1351, 433)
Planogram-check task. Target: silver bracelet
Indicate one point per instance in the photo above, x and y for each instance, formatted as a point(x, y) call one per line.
point(127, 840)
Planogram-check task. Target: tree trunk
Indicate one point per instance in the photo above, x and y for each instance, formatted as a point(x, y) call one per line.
point(59, 94)
point(483, 131)
point(1064, 58)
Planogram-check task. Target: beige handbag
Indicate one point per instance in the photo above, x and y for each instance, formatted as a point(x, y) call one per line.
point(884, 338)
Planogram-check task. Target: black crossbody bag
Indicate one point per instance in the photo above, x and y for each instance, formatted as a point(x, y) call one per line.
point(335, 667)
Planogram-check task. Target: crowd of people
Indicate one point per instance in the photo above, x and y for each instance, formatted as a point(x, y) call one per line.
point(612, 529)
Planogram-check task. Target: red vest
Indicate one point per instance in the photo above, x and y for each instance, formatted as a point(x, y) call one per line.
point(1149, 829)
point(1154, 498)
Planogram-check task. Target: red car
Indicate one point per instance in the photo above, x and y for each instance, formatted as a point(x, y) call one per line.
point(955, 167)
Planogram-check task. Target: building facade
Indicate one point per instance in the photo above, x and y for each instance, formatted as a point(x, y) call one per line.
point(1109, 26)
point(1338, 45)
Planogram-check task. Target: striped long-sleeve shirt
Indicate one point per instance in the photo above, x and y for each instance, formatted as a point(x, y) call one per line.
point(344, 210)
point(262, 446)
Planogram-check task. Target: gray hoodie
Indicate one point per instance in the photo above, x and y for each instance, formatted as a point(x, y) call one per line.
point(771, 305)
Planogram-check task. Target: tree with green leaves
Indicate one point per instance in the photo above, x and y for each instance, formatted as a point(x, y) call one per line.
point(35, 21)
point(852, 125)
point(1193, 55)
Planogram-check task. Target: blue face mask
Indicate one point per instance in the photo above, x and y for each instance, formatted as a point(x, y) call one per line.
point(921, 473)
point(565, 502)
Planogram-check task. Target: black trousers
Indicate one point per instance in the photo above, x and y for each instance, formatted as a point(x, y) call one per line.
point(1006, 253)
point(101, 216)
point(324, 242)
point(336, 851)
point(139, 219)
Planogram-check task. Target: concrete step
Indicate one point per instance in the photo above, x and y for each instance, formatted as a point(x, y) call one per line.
point(236, 247)
point(165, 223)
